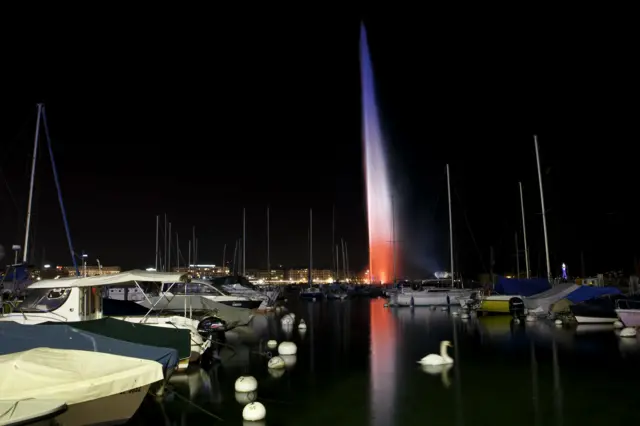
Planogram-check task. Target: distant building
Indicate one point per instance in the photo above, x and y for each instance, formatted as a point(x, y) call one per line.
point(91, 270)
point(204, 271)
point(263, 274)
point(302, 275)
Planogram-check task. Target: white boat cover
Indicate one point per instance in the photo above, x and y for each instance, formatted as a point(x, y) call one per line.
point(28, 410)
point(102, 280)
point(541, 303)
point(73, 376)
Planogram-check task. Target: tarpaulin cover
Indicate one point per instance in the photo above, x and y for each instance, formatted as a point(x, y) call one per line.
point(72, 376)
point(16, 337)
point(148, 335)
point(521, 287)
point(587, 292)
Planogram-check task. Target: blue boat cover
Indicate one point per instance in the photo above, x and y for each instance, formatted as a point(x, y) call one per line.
point(16, 337)
point(521, 287)
point(587, 292)
point(20, 271)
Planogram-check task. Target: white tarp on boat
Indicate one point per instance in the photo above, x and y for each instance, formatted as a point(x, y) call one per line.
point(73, 376)
point(102, 280)
point(541, 303)
point(29, 410)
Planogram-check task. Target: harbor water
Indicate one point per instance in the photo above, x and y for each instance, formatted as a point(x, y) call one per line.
point(357, 365)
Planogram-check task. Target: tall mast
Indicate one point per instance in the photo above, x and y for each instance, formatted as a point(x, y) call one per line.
point(194, 246)
point(33, 176)
point(268, 249)
point(224, 260)
point(333, 241)
point(165, 244)
point(244, 241)
point(450, 227)
point(157, 235)
point(544, 216)
point(189, 257)
point(346, 254)
point(517, 258)
point(177, 253)
point(169, 250)
point(393, 230)
point(235, 255)
point(524, 234)
point(337, 263)
point(310, 247)
point(344, 260)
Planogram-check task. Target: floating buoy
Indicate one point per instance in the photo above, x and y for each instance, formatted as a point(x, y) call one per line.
point(516, 320)
point(455, 313)
point(628, 332)
point(531, 318)
point(558, 322)
point(464, 315)
point(287, 319)
point(272, 344)
point(289, 360)
point(254, 412)
point(278, 309)
point(302, 325)
point(618, 324)
point(276, 363)
point(287, 348)
point(246, 384)
point(245, 398)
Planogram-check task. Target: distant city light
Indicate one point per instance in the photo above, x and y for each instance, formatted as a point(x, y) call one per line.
point(47, 266)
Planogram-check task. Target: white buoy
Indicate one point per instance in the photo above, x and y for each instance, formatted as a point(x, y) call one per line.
point(245, 398)
point(455, 313)
point(628, 332)
point(272, 344)
point(464, 315)
point(246, 384)
point(287, 319)
point(254, 412)
point(531, 318)
point(558, 322)
point(276, 362)
point(302, 325)
point(289, 360)
point(287, 348)
point(618, 324)
point(516, 320)
point(293, 316)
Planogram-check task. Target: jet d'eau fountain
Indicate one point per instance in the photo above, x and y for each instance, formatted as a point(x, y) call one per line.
point(380, 214)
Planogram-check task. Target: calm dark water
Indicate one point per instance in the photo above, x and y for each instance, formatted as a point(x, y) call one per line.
point(356, 365)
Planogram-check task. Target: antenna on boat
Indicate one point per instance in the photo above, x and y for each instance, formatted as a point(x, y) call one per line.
point(544, 216)
point(524, 234)
point(450, 228)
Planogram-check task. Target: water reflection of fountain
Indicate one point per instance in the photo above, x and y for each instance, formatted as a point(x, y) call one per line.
point(458, 377)
point(383, 344)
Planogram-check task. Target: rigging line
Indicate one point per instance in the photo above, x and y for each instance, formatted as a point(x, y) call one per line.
point(473, 238)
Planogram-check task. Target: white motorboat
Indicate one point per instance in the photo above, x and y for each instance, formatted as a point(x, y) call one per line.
point(432, 297)
point(202, 288)
point(80, 299)
point(98, 388)
point(34, 412)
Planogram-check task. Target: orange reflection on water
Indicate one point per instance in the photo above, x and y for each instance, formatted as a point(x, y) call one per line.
point(383, 363)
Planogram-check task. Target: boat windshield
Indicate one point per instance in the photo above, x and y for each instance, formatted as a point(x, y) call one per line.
point(44, 299)
point(195, 288)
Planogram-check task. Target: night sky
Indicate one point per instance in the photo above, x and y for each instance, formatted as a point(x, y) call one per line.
point(199, 116)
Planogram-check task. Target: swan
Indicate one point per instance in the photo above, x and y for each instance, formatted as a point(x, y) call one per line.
point(443, 358)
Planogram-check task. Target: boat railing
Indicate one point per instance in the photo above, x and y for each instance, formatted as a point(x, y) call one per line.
point(627, 304)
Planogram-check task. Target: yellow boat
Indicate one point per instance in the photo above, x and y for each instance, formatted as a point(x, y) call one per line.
point(500, 304)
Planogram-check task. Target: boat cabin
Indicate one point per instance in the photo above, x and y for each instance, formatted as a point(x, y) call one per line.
point(76, 298)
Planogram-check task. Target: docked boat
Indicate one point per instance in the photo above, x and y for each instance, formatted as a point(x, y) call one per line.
point(501, 304)
point(432, 297)
point(77, 299)
point(98, 388)
point(34, 412)
point(20, 338)
point(312, 293)
point(539, 304)
point(207, 290)
point(628, 310)
point(240, 286)
point(594, 305)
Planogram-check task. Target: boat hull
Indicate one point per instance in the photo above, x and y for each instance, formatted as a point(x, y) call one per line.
point(501, 305)
point(594, 320)
point(629, 317)
point(111, 410)
point(248, 304)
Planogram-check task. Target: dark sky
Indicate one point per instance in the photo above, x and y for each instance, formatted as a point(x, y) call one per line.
point(199, 115)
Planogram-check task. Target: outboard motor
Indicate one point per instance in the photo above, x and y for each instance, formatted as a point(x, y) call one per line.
point(212, 327)
point(516, 307)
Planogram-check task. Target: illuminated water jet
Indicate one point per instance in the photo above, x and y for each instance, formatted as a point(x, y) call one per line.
point(379, 199)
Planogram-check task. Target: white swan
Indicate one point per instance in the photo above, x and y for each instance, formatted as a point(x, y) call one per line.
point(443, 358)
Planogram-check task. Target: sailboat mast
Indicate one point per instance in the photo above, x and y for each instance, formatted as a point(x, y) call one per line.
point(164, 268)
point(344, 260)
point(346, 254)
point(169, 250)
point(524, 234)
point(517, 258)
point(25, 250)
point(310, 247)
point(157, 235)
point(177, 253)
point(244, 241)
point(224, 260)
point(450, 227)
point(268, 249)
point(194, 246)
point(544, 216)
